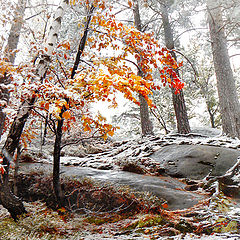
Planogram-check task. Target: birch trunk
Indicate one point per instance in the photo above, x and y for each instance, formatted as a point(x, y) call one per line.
point(146, 124)
point(180, 109)
point(7, 199)
point(228, 99)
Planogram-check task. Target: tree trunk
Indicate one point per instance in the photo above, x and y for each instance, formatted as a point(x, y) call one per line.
point(4, 96)
point(7, 199)
point(15, 31)
point(58, 139)
point(180, 109)
point(10, 53)
point(228, 99)
point(146, 124)
point(56, 164)
point(12, 203)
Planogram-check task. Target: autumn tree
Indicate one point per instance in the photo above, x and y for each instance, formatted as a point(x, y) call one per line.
point(7, 199)
point(63, 91)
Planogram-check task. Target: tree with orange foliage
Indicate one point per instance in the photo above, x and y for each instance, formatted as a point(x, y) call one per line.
point(7, 199)
point(94, 77)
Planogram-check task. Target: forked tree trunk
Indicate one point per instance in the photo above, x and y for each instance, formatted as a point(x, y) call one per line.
point(146, 124)
point(228, 99)
point(180, 109)
point(7, 199)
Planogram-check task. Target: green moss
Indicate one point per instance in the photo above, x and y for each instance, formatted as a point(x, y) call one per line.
point(148, 220)
point(96, 220)
point(224, 225)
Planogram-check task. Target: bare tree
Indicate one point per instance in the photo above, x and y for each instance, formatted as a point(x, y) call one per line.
point(10, 54)
point(180, 109)
point(228, 99)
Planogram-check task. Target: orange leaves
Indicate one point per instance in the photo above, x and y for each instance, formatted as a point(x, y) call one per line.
point(66, 115)
point(2, 170)
point(6, 67)
point(97, 125)
point(65, 45)
point(147, 51)
point(72, 2)
point(130, 4)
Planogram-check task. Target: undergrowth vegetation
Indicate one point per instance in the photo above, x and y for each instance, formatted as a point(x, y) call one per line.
point(100, 210)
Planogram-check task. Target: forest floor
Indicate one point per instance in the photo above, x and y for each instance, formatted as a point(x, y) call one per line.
point(98, 210)
point(108, 212)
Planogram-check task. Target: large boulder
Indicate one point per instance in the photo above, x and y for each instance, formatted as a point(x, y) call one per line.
point(195, 161)
point(167, 188)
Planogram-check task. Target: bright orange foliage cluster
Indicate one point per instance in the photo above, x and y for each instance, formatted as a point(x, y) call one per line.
point(127, 64)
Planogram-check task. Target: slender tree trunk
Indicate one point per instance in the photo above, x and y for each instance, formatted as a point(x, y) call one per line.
point(59, 131)
point(7, 199)
point(10, 53)
point(212, 119)
point(180, 109)
point(4, 96)
point(56, 164)
point(15, 31)
point(146, 124)
point(228, 99)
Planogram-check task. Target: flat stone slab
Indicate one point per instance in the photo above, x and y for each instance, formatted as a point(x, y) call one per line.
point(166, 188)
point(195, 161)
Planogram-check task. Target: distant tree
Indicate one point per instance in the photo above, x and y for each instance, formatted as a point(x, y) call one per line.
point(146, 124)
point(183, 126)
point(228, 99)
point(10, 54)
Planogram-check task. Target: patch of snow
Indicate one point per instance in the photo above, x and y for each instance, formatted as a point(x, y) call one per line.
point(205, 237)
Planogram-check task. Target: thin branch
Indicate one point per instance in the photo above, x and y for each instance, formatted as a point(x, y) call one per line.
point(196, 75)
point(82, 139)
point(188, 30)
point(44, 117)
point(26, 19)
point(234, 55)
point(60, 82)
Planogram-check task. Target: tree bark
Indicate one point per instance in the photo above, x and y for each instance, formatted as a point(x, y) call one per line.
point(228, 99)
point(7, 199)
point(10, 54)
point(4, 96)
point(59, 131)
point(180, 109)
point(146, 124)
point(12, 203)
point(56, 164)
